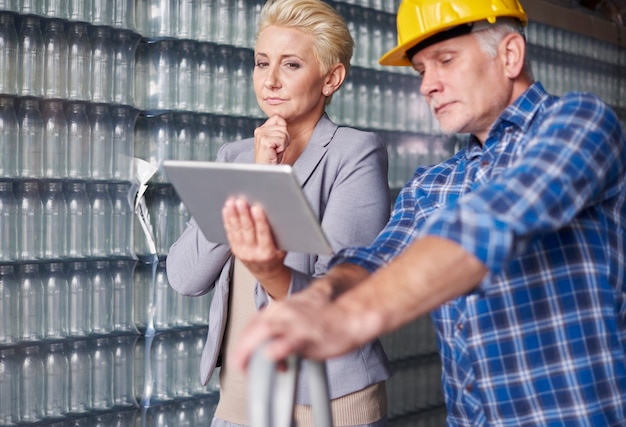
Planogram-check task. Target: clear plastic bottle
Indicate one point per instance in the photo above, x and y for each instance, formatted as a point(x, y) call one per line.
point(180, 216)
point(8, 387)
point(79, 320)
point(163, 301)
point(31, 380)
point(161, 75)
point(78, 141)
point(29, 222)
point(186, 69)
point(241, 80)
point(8, 137)
point(201, 149)
point(181, 368)
point(102, 56)
point(79, 10)
point(8, 223)
point(185, 20)
point(55, 50)
point(123, 384)
point(9, 299)
point(56, 296)
point(79, 395)
point(161, 216)
point(55, 9)
point(56, 382)
point(30, 139)
point(124, 14)
point(205, 70)
point(78, 214)
point(222, 83)
point(30, 65)
point(31, 303)
point(222, 25)
point(79, 61)
point(8, 54)
point(376, 40)
point(100, 223)
point(102, 374)
point(253, 21)
point(101, 297)
point(101, 12)
point(185, 136)
point(55, 139)
point(122, 312)
point(195, 352)
point(203, 19)
point(376, 101)
point(347, 101)
point(101, 141)
point(54, 220)
point(123, 124)
point(124, 48)
point(240, 20)
point(162, 140)
point(122, 220)
point(161, 370)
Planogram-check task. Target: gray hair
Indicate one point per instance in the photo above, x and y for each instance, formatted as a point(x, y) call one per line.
point(489, 36)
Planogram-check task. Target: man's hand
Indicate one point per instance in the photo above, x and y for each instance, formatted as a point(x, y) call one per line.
point(304, 324)
point(310, 323)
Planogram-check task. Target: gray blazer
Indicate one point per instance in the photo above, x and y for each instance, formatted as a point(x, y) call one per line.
point(343, 172)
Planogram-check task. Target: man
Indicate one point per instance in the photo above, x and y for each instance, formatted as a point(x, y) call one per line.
point(515, 245)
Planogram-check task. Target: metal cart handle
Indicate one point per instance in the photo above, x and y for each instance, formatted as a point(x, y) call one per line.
point(272, 392)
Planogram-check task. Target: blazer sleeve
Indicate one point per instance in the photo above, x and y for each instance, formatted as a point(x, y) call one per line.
point(193, 264)
point(358, 204)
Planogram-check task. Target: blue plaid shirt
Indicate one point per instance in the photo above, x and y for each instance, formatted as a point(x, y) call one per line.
point(542, 340)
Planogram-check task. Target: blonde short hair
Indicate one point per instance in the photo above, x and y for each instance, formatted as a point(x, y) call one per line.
point(332, 42)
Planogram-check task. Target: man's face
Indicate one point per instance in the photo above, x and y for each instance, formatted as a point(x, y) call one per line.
point(465, 88)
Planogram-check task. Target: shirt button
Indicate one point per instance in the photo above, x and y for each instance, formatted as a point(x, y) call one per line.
point(469, 388)
point(459, 326)
point(484, 163)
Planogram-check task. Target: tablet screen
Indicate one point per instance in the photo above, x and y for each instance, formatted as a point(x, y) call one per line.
point(204, 187)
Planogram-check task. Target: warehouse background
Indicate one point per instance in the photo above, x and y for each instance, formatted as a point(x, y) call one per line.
point(91, 334)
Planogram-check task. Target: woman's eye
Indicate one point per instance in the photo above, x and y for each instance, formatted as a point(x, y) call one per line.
point(260, 64)
point(293, 65)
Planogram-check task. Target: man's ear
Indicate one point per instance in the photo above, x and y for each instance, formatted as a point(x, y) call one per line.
point(512, 53)
point(334, 79)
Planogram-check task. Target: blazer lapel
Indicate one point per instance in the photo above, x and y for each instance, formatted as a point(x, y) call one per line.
point(315, 150)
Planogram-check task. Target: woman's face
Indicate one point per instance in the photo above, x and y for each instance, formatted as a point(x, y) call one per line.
point(287, 78)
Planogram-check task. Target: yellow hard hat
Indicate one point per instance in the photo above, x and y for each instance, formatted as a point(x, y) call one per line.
point(419, 20)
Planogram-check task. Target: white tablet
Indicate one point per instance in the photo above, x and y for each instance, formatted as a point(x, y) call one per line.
point(204, 187)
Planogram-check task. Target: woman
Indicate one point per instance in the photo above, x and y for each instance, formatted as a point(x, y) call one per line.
point(302, 55)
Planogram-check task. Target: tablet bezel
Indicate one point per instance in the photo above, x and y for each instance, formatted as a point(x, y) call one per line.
point(274, 187)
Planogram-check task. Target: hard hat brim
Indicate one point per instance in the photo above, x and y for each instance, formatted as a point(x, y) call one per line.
point(397, 55)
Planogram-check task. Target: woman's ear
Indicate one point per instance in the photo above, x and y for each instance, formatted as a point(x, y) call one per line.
point(513, 52)
point(334, 79)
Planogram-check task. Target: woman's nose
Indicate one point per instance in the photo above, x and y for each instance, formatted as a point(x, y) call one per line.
point(271, 78)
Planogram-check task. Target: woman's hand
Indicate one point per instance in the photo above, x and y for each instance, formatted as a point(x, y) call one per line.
point(271, 139)
point(251, 241)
